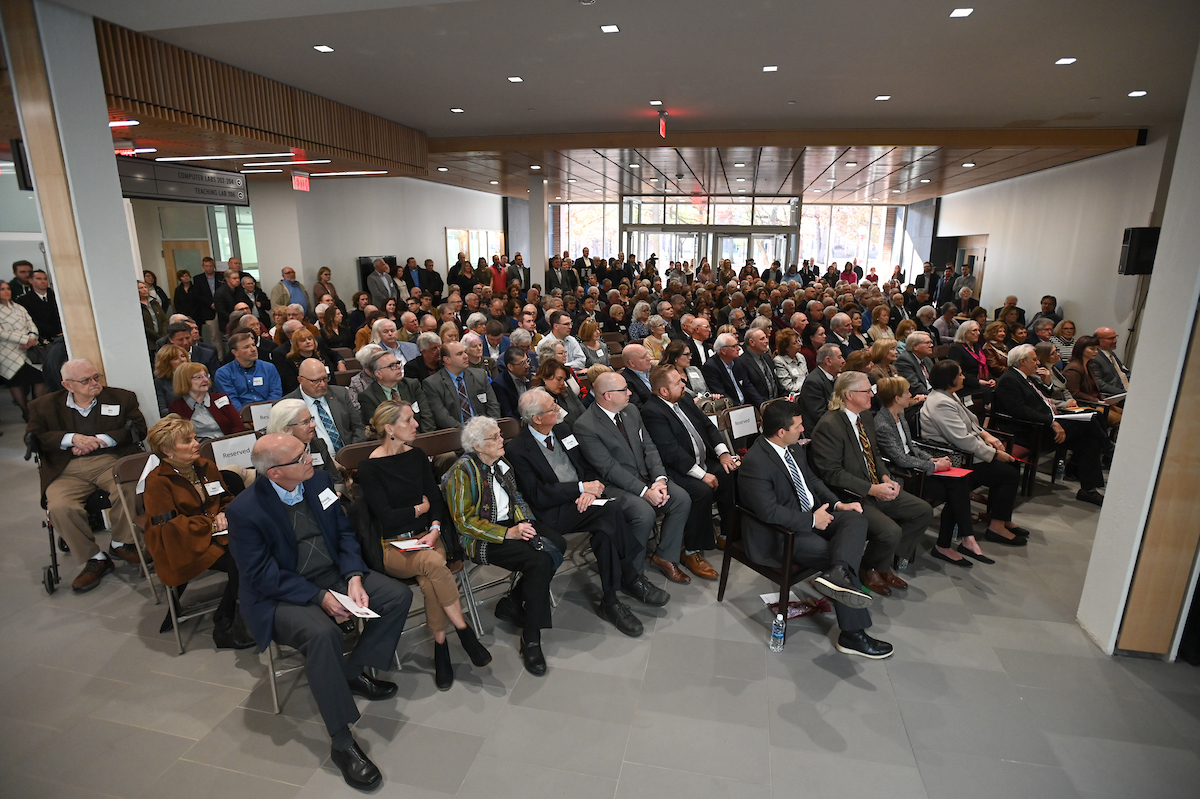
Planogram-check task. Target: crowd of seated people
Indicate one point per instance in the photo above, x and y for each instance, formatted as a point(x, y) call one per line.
point(614, 449)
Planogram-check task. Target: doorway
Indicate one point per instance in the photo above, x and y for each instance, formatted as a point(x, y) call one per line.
point(184, 255)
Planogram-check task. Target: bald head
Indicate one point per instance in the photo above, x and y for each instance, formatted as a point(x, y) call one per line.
point(636, 357)
point(314, 378)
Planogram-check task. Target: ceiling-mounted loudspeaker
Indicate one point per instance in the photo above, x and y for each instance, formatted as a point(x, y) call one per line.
point(1138, 248)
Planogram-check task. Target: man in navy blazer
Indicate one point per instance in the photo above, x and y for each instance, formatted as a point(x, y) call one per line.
point(716, 371)
point(295, 546)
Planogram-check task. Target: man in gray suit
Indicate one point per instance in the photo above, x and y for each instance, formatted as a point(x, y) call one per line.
point(337, 425)
point(1111, 375)
point(457, 393)
point(817, 388)
point(615, 442)
point(380, 285)
point(914, 363)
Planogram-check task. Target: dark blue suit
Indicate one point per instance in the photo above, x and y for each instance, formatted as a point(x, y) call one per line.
point(717, 378)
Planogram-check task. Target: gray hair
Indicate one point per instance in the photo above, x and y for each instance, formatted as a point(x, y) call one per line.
point(531, 403)
point(427, 340)
point(839, 319)
point(1041, 323)
point(926, 311)
point(639, 308)
point(178, 317)
point(476, 319)
point(960, 335)
point(263, 457)
point(75, 365)
point(368, 361)
point(364, 353)
point(761, 322)
point(472, 338)
point(724, 340)
point(295, 306)
point(964, 292)
point(377, 327)
point(290, 326)
point(1020, 353)
point(545, 349)
point(520, 338)
point(656, 321)
point(826, 352)
point(915, 339)
point(283, 414)
point(475, 431)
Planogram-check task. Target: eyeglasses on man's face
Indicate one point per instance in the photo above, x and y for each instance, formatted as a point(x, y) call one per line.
point(304, 456)
point(95, 379)
point(320, 381)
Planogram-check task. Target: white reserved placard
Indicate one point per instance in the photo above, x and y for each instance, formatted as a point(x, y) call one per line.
point(742, 423)
point(233, 451)
point(261, 414)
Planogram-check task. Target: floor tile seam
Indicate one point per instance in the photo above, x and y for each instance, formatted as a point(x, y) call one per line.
point(65, 785)
point(193, 741)
point(766, 710)
point(185, 759)
point(556, 769)
point(247, 691)
point(58, 667)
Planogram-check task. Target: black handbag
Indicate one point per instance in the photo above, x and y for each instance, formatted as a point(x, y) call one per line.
point(37, 353)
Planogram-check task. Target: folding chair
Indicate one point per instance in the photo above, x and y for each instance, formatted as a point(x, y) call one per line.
point(617, 361)
point(126, 473)
point(343, 378)
point(256, 414)
point(345, 353)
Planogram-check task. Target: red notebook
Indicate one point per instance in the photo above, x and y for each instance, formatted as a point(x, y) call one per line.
point(953, 472)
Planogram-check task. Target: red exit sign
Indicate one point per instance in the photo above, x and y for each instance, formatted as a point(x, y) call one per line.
point(299, 180)
point(662, 127)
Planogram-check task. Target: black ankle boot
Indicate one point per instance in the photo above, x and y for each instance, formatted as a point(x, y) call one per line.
point(443, 672)
point(225, 637)
point(475, 650)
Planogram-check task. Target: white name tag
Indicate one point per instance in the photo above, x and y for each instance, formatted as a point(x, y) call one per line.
point(258, 381)
point(327, 498)
point(110, 410)
point(481, 397)
point(221, 402)
point(318, 459)
point(214, 488)
point(570, 443)
point(416, 408)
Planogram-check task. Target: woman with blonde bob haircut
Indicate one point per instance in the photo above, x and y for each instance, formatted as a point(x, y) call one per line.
point(211, 412)
point(406, 507)
point(168, 358)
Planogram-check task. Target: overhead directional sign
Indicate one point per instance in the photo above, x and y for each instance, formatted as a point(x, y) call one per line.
point(147, 179)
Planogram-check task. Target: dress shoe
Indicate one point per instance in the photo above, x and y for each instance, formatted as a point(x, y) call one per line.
point(863, 645)
point(671, 570)
point(621, 617)
point(645, 591)
point(443, 670)
point(357, 769)
point(127, 553)
point(476, 651)
point(507, 610)
point(874, 580)
point(976, 556)
point(1091, 495)
point(961, 562)
point(840, 587)
point(996, 538)
point(1018, 531)
point(721, 542)
point(89, 578)
point(227, 636)
point(372, 688)
point(698, 566)
point(894, 581)
point(535, 661)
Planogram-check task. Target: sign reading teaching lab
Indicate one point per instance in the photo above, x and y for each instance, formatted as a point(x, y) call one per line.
point(147, 179)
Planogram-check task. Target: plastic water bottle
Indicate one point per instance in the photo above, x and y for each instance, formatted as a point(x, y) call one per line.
point(777, 627)
point(1060, 468)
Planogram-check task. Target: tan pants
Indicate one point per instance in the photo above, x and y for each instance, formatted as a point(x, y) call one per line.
point(428, 566)
point(64, 502)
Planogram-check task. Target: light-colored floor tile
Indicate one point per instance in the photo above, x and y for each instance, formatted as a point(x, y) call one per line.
point(1065, 672)
point(274, 747)
point(1118, 768)
point(707, 747)
point(724, 699)
point(187, 780)
point(1049, 637)
point(875, 733)
point(954, 775)
point(76, 695)
point(411, 754)
point(616, 655)
point(831, 678)
point(1099, 715)
point(579, 693)
point(926, 682)
point(638, 781)
point(711, 656)
point(172, 705)
point(821, 774)
point(943, 648)
point(1007, 733)
point(536, 737)
point(492, 777)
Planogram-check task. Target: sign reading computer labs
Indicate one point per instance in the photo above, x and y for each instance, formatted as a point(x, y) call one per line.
point(188, 184)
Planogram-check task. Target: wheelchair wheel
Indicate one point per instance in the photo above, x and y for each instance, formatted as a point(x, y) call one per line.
point(48, 580)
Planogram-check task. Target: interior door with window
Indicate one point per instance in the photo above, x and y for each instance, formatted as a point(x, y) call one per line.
point(183, 255)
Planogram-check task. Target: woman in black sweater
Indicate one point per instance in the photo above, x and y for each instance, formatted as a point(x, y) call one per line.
point(406, 507)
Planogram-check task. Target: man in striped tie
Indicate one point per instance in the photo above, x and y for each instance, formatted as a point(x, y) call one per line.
point(776, 483)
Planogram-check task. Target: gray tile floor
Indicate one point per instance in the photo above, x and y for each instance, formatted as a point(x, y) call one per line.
point(993, 691)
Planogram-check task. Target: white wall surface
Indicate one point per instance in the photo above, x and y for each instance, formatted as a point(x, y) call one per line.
point(341, 219)
point(1059, 232)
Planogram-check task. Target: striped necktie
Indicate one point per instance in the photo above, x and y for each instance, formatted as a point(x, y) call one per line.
point(866, 447)
point(798, 482)
point(331, 430)
point(464, 402)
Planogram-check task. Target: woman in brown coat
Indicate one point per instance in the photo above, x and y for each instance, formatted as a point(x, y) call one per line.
point(186, 529)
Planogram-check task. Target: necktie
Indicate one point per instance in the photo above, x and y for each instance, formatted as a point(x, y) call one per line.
point(866, 447)
point(330, 428)
point(768, 370)
point(736, 388)
point(550, 442)
point(697, 441)
point(464, 402)
point(1120, 372)
point(798, 482)
point(621, 427)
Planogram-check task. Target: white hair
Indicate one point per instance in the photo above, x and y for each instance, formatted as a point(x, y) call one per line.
point(476, 431)
point(283, 414)
point(1019, 353)
point(531, 403)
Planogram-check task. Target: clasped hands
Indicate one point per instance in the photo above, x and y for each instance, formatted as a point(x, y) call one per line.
point(592, 491)
point(83, 445)
point(886, 490)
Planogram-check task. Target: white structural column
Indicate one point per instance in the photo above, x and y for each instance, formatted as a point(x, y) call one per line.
point(1153, 394)
point(90, 210)
point(539, 231)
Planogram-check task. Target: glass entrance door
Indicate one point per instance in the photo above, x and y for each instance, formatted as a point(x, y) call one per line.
point(734, 248)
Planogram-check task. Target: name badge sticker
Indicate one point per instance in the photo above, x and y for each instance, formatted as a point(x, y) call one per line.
point(258, 381)
point(110, 410)
point(481, 397)
point(221, 402)
point(327, 498)
point(214, 488)
point(416, 408)
point(570, 443)
point(318, 459)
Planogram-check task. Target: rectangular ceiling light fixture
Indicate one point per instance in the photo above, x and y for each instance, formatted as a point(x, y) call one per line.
point(224, 157)
point(961, 12)
point(335, 174)
point(610, 29)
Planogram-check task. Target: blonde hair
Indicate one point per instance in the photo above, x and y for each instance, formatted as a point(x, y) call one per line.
point(845, 383)
point(169, 430)
point(888, 389)
point(387, 413)
point(166, 354)
point(182, 381)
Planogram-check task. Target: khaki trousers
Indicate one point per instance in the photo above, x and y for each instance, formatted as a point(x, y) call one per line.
point(64, 502)
point(436, 582)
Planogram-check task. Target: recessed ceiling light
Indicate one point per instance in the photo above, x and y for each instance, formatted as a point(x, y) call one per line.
point(816, 191)
point(515, 79)
point(969, 164)
point(535, 166)
point(1138, 93)
point(258, 171)
point(654, 180)
point(924, 180)
point(832, 180)
point(337, 174)
point(609, 29)
point(494, 182)
point(443, 169)
point(596, 190)
point(287, 163)
point(570, 180)
point(961, 12)
point(656, 102)
point(739, 165)
point(741, 191)
point(741, 180)
point(222, 157)
point(558, 198)
point(129, 123)
point(771, 69)
point(1067, 60)
point(323, 48)
point(144, 150)
point(456, 110)
point(895, 191)
point(851, 163)
point(635, 166)
point(791, 102)
point(883, 97)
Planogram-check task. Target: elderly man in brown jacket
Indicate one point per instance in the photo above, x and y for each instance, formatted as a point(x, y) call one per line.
point(82, 431)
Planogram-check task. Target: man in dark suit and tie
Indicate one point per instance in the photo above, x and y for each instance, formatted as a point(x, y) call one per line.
point(295, 548)
point(637, 373)
point(915, 362)
point(512, 382)
point(458, 393)
point(583, 265)
point(944, 292)
point(414, 276)
point(698, 342)
point(776, 483)
point(42, 306)
point(206, 285)
point(517, 270)
point(616, 444)
point(725, 375)
point(926, 280)
point(337, 423)
point(758, 365)
point(817, 388)
point(562, 488)
point(562, 277)
point(697, 459)
point(898, 311)
point(847, 457)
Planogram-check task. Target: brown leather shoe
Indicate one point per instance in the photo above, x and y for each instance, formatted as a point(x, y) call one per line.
point(127, 553)
point(895, 582)
point(874, 580)
point(698, 566)
point(721, 542)
point(89, 578)
point(671, 570)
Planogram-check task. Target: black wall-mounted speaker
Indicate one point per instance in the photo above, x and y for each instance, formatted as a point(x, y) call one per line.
point(1137, 250)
